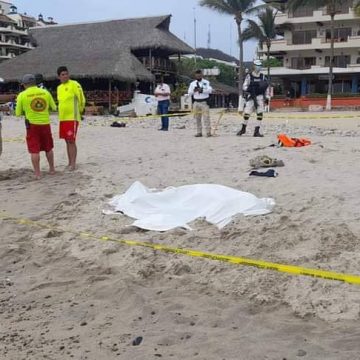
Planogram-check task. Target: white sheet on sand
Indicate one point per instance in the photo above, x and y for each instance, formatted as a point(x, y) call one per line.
point(178, 206)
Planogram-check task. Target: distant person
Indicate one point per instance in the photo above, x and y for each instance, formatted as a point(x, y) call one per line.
point(292, 93)
point(256, 90)
point(162, 94)
point(71, 101)
point(0, 135)
point(36, 105)
point(200, 91)
point(1, 82)
point(40, 81)
point(287, 98)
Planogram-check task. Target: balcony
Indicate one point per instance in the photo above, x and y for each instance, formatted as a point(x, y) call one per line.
point(317, 43)
point(12, 43)
point(11, 29)
point(158, 64)
point(7, 56)
point(320, 16)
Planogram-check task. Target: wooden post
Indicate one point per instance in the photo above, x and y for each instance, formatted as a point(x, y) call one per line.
point(110, 102)
point(151, 69)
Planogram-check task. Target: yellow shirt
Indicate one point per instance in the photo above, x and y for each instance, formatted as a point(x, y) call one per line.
point(35, 104)
point(71, 100)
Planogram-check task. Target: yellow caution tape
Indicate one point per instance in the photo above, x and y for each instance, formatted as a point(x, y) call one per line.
point(138, 118)
point(266, 116)
point(287, 117)
point(312, 117)
point(260, 264)
point(16, 139)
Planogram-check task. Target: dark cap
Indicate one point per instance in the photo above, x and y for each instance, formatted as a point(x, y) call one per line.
point(39, 78)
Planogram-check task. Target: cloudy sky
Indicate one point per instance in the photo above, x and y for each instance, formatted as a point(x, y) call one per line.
point(223, 29)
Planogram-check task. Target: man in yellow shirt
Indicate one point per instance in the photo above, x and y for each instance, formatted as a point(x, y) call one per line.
point(36, 105)
point(71, 101)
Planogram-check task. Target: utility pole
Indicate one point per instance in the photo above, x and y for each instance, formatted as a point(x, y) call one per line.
point(195, 32)
point(209, 38)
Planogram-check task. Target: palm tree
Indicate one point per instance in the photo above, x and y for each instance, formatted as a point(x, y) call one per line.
point(332, 9)
point(265, 31)
point(239, 9)
point(357, 8)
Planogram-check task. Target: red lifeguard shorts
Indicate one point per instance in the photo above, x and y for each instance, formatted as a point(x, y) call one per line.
point(68, 130)
point(39, 138)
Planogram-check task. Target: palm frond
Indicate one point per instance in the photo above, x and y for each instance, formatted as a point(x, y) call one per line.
point(296, 4)
point(220, 6)
point(253, 31)
point(230, 7)
point(357, 7)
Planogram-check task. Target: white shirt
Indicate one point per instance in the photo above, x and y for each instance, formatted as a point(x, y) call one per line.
point(162, 89)
point(205, 85)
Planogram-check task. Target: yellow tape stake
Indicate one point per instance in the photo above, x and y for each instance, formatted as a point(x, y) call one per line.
point(260, 264)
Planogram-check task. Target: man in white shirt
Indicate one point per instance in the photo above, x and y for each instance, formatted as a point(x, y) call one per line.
point(162, 93)
point(200, 90)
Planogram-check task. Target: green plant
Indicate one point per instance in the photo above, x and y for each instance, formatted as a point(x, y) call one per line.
point(273, 62)
point(180, 90)
point(357, 7)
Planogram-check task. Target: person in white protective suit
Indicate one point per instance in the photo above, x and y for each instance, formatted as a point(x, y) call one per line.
point(256, 92)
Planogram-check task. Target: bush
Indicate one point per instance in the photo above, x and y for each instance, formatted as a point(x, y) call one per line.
point(273, 63)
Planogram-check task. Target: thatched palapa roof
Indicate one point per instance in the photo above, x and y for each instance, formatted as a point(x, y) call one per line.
point(216, 55)
point(96, 50)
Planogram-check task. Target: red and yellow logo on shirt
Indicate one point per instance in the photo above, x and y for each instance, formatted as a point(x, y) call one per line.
point(38, 105)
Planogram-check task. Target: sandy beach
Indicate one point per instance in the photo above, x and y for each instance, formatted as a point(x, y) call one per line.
point(67, 297)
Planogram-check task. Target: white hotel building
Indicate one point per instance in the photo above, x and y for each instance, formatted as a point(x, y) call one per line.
point(305, 51)
point(14, 30)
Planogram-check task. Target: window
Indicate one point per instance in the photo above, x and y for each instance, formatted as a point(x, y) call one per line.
point(340, 34)
point(339, 61)
point(342, 86)
point(358, 60)
point(303, 11)
point(303, 37)
point(303, 63)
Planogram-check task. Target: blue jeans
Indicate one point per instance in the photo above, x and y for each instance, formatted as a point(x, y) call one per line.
point(163, 109)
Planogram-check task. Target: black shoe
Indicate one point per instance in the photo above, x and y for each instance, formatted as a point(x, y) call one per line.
point(257, 132)
point(242, 131)
point(163, 129)
point(198, 135)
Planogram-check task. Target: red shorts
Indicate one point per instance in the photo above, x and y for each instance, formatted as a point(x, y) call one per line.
point(68, 130)
point(39, 138)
